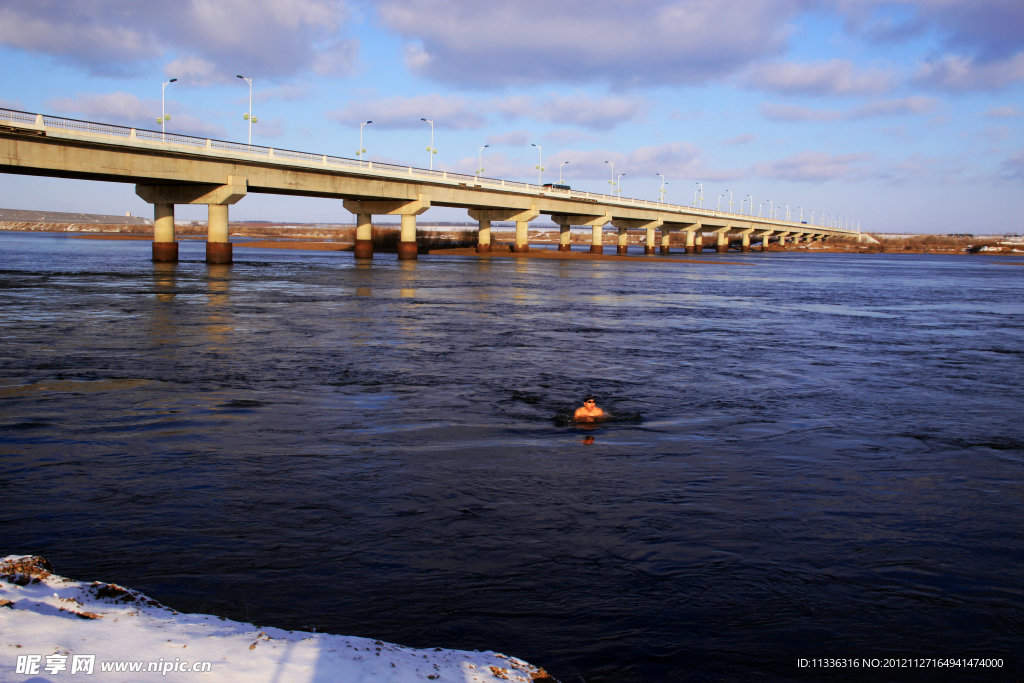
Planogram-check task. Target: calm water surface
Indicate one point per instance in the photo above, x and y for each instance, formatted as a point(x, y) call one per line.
point(810, 455)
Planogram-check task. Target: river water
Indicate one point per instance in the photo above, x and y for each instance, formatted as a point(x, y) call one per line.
point(808, 456)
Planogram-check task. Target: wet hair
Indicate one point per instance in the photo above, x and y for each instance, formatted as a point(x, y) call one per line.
point(589, 398)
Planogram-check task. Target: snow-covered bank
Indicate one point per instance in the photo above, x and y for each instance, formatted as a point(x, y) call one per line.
point(55, 629)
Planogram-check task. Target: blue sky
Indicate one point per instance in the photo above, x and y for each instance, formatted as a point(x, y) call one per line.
point(895, 116)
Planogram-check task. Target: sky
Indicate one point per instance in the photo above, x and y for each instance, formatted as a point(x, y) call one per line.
point(891, 116)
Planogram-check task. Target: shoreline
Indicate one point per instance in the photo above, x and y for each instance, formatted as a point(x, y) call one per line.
point(51, 621)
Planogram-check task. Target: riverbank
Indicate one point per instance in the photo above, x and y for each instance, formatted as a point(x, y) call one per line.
point(59, 626)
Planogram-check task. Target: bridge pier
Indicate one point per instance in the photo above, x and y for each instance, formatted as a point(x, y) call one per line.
point(596, 224)
point(218, 248)
point(406, 209)
point(745, 239)
point(765, 235)
point(666, 240)
point(626, 224)
point(722, 239)
point(522, 217)
point(216, 197)
point(165, 248)
point(363, 247)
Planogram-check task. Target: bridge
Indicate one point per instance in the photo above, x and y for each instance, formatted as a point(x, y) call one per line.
point(169, 169)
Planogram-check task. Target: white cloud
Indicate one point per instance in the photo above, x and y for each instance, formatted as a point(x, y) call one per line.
point(208, 40)
point(574, 109)
point(894, 107)
point(576, 41)
point(813, 167)
point(960, 73)
point(832, 77)
point(405, 112)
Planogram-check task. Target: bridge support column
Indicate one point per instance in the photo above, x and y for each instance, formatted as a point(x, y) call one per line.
point(218, 247)
point(722, 240)
point(408, 250)
point(649, 241)
point(622, 243)
point(363, 247)
point(564, 238)
point(216, 197)
point(626, 224)
point(764, 235)
point(483, 236)
point(745, 239)
point(165, 249)
point(522, 244)
point(406, 209)
point(666, 237)
point(698, 242)
point(522, 217)
point(782, 240)
point(596, 224)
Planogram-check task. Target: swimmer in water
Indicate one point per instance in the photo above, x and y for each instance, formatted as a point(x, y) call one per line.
point(589, 411)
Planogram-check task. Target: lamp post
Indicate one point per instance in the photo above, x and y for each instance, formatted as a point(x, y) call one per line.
point(248, 117)
point(719, 207)
point(480, 160)
point(698, 196)
point(560, 171)
point(750, 206)
point(430, 150)
point(612, 181)
point(661, 190)
point(362, 150)
point(618, 184)
point(164, 118)
point(540, 163)
point(730, 200)
point(771, 210)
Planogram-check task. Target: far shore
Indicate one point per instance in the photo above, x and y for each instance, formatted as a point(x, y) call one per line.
point(261, 236)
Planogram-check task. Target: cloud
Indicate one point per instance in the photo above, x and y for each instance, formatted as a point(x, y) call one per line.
point(582, 41)
point(984, 29)
point(1013, 167)
point(129, 110)
point(516, 138)
point(966, 73)
point(833, 77)
point(744, 139)
point(405, 112)
point(574, 109)
point(1007, 112)
point(210, 41)
point(901, 106)
point(813, 167)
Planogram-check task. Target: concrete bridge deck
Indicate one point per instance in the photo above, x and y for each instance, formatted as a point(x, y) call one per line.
point(169, 169)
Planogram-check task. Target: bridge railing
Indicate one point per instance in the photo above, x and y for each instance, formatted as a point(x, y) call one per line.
point(201, 145)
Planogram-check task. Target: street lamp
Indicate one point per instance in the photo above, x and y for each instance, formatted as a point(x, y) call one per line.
point(430, 150)
point(560, 171)
point(661, 191)
point(362, 150)
point(619, 184)
point(480, 160)
point(771, 210)
point(751, 205)
point(730, 200)
point(248, 117)
point(164, 118)
point(540, 164)
point(698, 196)
point(719, 207)
point(612, 181)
